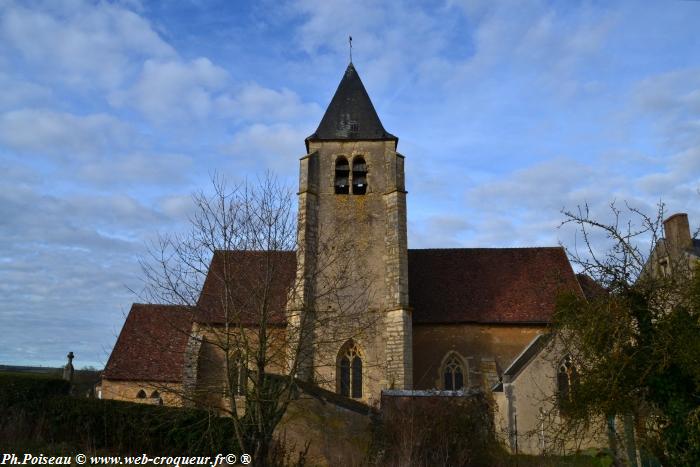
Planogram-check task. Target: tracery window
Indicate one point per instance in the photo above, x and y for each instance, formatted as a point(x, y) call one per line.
point(350, 370)
point(239, 376)
point(359, 176)
point(453, 374)
point(342, 176)
point(566, 379)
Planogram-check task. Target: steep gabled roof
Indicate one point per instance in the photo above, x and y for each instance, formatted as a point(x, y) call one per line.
point(487, 285)
point(350, 115)
point(235, 284)
point(151, 345)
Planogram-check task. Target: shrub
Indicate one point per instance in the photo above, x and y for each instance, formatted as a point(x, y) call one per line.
point(37, 410)
point(456, 431)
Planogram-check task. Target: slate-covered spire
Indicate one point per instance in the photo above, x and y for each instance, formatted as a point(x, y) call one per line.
point(350, 115)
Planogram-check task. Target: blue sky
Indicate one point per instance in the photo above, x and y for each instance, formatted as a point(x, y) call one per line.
point(113, 113)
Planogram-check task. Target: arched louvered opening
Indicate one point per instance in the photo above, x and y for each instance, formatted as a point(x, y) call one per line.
point(342, 176)
point(349, 370)
point(359, 176)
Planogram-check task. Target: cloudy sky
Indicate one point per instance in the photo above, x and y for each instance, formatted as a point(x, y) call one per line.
point(113, 113)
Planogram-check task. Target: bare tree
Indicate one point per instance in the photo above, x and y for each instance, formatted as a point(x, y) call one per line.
point(256, 321)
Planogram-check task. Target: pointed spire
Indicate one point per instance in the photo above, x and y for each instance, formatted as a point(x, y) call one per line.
point(351, 115)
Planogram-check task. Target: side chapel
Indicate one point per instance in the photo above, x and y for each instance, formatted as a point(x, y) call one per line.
point(449, 319)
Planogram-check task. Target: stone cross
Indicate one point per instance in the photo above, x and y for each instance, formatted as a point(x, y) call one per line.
point(68, 369)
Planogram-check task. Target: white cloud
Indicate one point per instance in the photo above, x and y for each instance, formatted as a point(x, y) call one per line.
point(261, 104)
point(174, 89)
point(64, 134)
point(21, 92)
point(81, 43)
point(137, 169)
point(276, 147)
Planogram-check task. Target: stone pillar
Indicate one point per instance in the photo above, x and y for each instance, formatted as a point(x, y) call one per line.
point(300, 306)
point(190, 369)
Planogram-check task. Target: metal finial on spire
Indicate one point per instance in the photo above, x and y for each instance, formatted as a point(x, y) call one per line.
point(350, 40)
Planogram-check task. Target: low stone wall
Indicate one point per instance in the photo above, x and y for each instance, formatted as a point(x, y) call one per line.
point(170, 393)
point(338, 429)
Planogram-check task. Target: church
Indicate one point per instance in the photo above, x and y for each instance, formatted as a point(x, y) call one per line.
point(445, 319)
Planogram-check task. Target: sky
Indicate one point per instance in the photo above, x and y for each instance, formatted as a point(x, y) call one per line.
point(113, 113)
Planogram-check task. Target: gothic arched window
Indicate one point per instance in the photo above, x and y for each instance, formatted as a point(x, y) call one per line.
point(239, 376)
point(155, 395)
point(141, 394)
point(359, 176)
point(342, 176)
point(453, 374)
point(350, 370)
point(566, 379)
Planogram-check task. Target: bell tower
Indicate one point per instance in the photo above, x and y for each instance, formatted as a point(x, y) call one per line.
point(352, 195)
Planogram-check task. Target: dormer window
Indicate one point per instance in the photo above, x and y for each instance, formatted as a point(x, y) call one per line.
point(342, 176)
point(359, 176)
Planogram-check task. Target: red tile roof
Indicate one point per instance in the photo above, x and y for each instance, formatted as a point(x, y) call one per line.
point(237, 279)
point(487, 285)
point(467, 285)
point(591, 288)
point(151, 345)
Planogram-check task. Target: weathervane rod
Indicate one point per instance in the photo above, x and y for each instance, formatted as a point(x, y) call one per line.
point(350, 40)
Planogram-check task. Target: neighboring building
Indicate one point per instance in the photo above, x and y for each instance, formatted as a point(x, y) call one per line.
point(447, 318)
point(678, 252)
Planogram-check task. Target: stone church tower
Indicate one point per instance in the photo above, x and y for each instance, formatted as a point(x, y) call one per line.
point(352, 196)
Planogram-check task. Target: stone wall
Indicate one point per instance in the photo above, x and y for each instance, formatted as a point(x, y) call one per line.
point(373, 225)
point(339, 432)
point(211, 387)
point(527, 418)
point(485, 350)
point(170, 393)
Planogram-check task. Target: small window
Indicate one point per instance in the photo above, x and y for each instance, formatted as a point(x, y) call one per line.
point(453, 374)
point(141, 394)
point(566, 379)
point(155, 395)
point(342, 176)
point(350, 370)
point(359, 176)
point(239, 377)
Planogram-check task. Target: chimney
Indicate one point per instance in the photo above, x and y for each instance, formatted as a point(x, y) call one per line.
point(677, 233)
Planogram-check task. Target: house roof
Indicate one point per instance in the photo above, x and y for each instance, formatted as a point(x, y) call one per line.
point(151, 345)
point(591, 288)
point(350, 115)
point(233, 287)
point(487, 285)
point(522, 360)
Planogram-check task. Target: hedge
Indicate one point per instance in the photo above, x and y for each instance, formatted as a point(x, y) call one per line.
point(37, 410)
